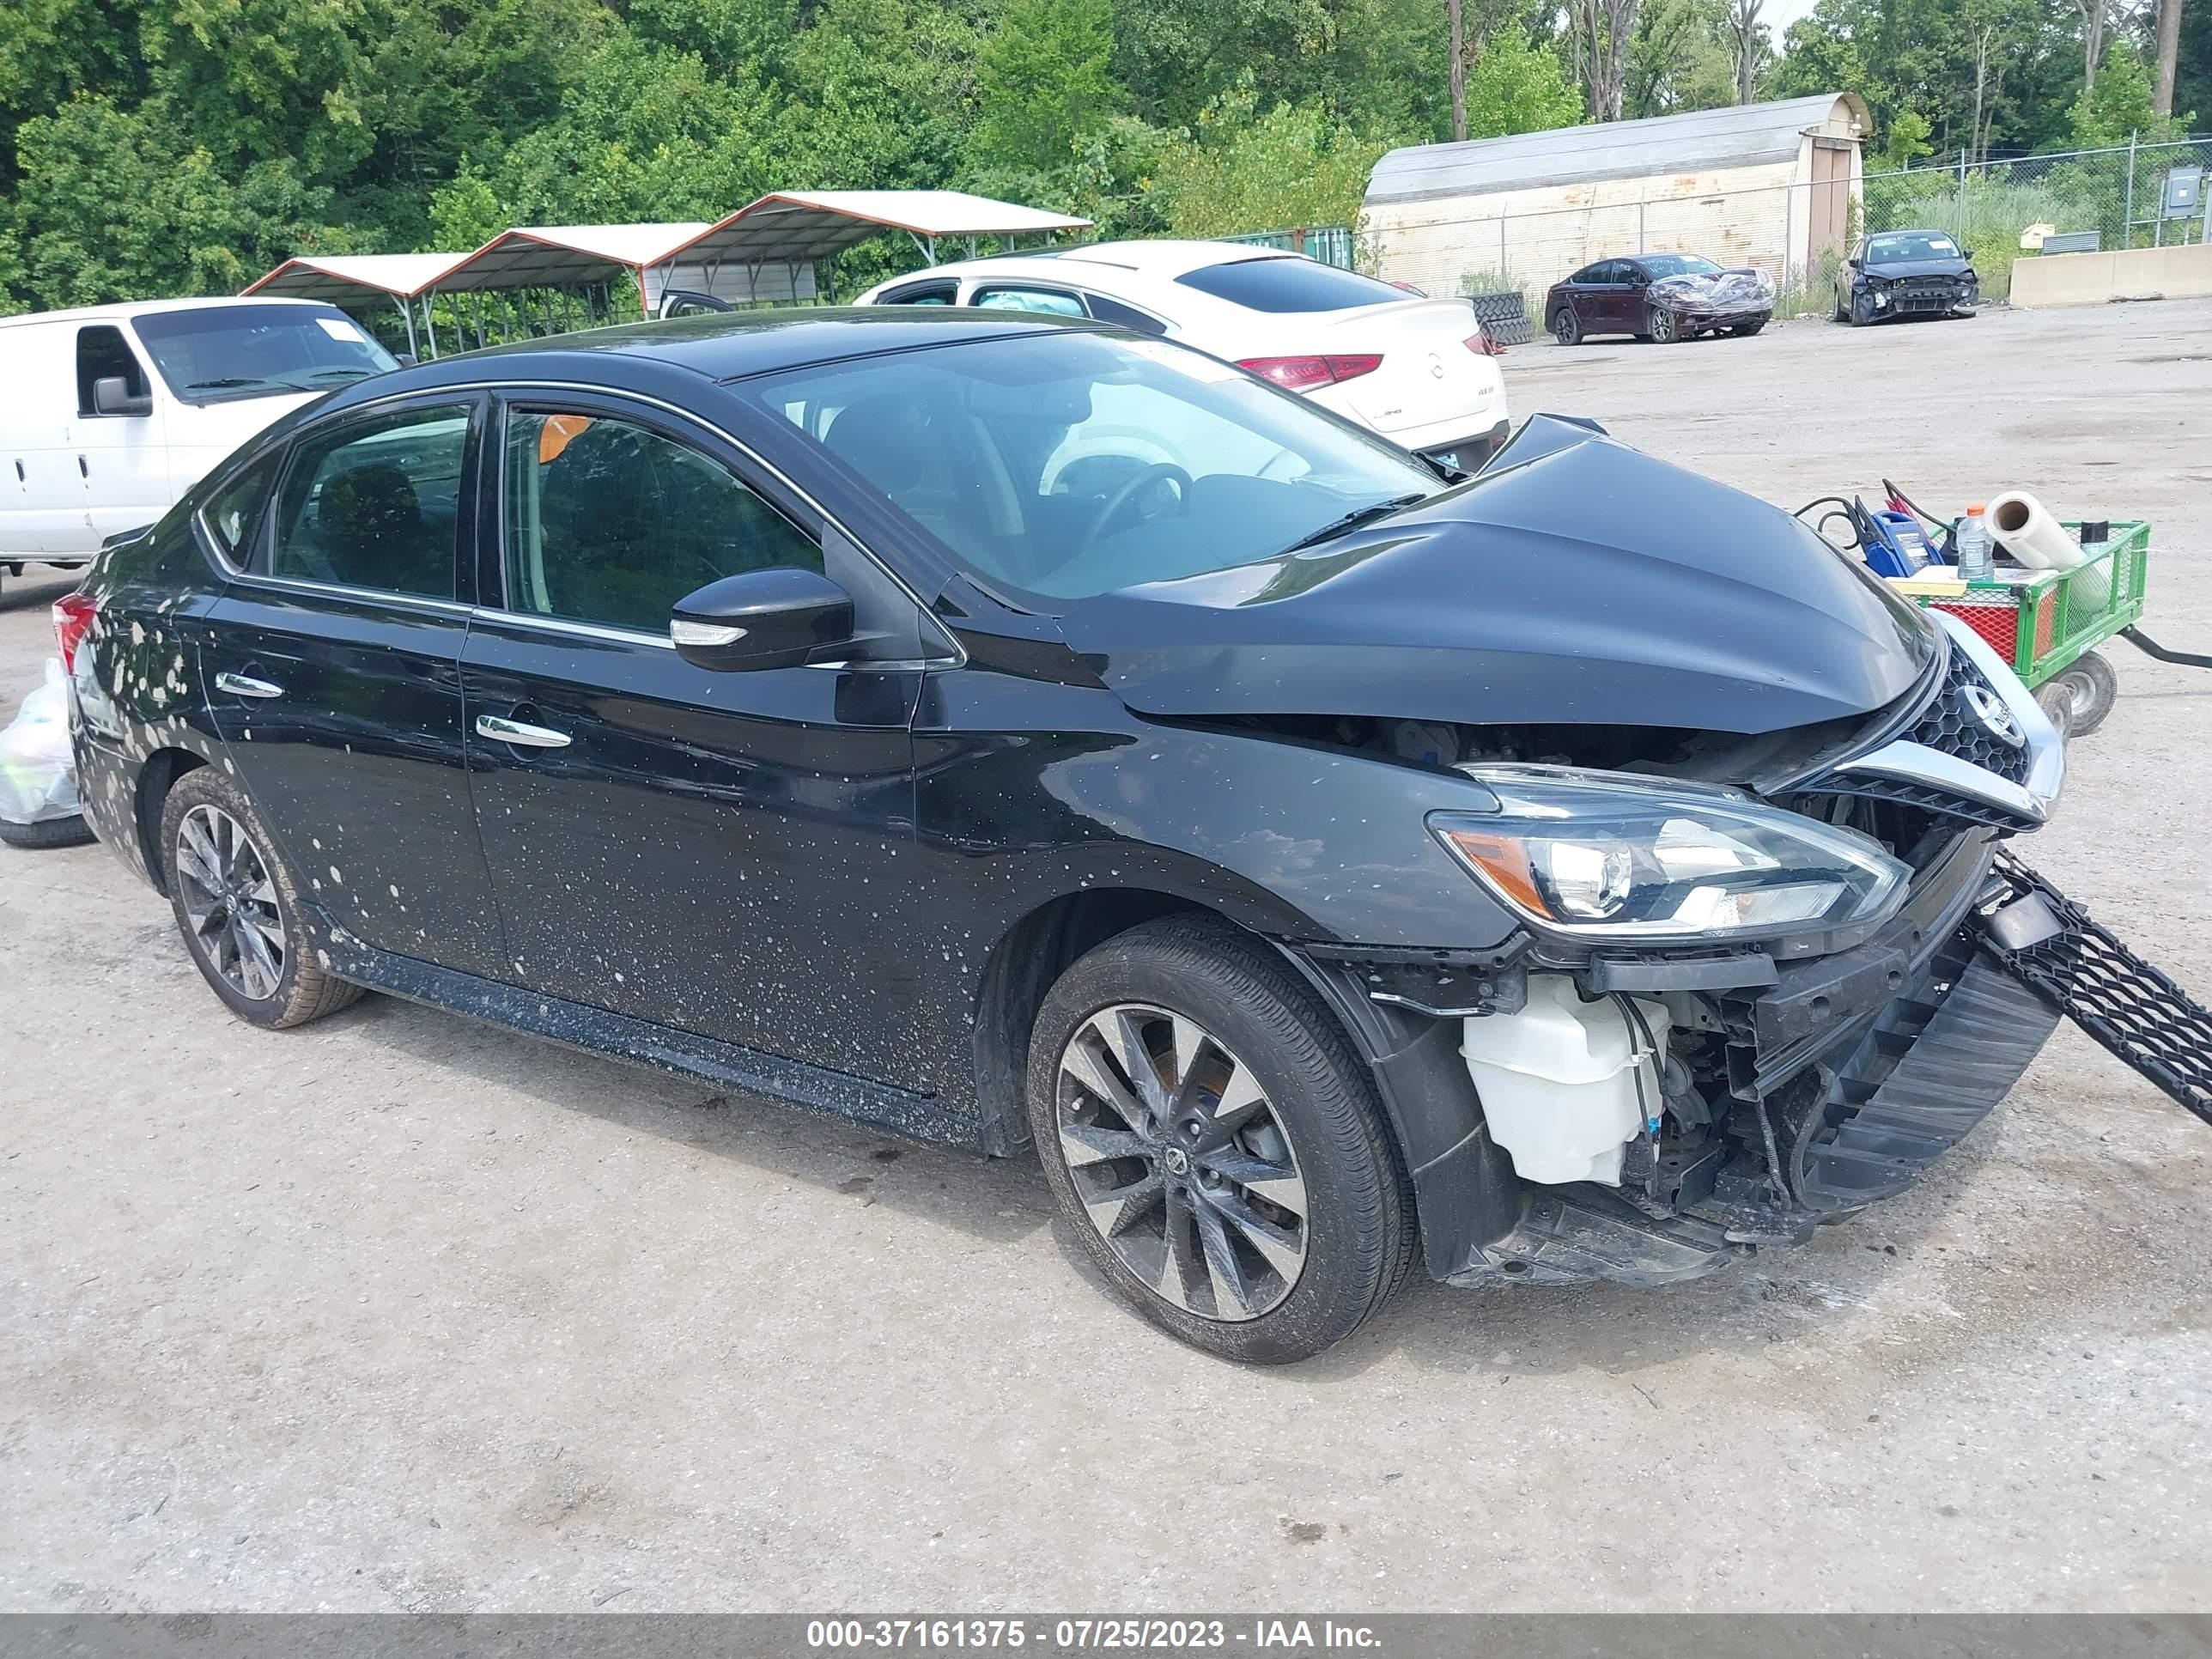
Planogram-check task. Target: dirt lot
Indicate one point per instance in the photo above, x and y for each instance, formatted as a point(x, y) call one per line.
point(398, 1312)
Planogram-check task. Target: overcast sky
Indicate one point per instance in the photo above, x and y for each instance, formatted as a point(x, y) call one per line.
point(1779, 15)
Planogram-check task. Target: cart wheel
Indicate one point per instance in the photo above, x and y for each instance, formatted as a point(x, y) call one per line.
point(2096, 688)
point(2055, 696)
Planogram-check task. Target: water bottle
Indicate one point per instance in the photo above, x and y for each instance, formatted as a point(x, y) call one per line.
point(1976, 563)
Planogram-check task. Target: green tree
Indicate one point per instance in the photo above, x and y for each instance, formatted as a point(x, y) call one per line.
point(129, 209)
point(1045, 82)
point(2119, 104)
point(1517, 86)
point(1245, 171)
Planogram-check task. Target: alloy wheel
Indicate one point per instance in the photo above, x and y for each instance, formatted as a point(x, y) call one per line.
point(230, 902)
point(1182, 1162)
point(1662, 325)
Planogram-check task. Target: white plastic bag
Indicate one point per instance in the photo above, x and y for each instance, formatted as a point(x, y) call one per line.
point(38, 776)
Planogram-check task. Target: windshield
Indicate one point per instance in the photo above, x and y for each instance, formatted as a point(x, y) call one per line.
point(1912, 245)
point(1062, 465)
point(214, 353)
point(1676, 264)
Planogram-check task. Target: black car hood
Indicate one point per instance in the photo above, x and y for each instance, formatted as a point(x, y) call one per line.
point(1575, 580)
point(1891, 270)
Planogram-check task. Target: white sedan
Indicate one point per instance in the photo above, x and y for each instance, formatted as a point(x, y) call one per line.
point(1421, 372)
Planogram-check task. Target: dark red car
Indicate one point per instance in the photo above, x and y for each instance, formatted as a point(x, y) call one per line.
point(1658, 296)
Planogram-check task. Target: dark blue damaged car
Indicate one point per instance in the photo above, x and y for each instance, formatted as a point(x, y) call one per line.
point(1026, 736)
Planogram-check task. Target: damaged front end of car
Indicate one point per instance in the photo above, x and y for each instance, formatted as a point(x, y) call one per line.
point(1742, 807)
point(1704, 302)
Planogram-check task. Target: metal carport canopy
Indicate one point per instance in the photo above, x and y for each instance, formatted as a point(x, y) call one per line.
point(565, 256)
point(357, 278)
point(799, 226)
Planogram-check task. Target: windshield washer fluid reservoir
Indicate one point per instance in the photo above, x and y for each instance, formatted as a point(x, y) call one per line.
point(1559, 1079)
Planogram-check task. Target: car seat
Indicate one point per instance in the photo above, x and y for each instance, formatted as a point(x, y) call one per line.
point(369, 523)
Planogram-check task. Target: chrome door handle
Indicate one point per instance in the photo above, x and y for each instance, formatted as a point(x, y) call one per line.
point(514, 732)
point(245, 685)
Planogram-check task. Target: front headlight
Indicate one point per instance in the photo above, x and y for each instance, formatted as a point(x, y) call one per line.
point(1606, 855)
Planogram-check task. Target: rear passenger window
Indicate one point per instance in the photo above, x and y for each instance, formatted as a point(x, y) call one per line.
point(236, 507)
point(609, 522)
point(101, 351)
point(1028, 299)
point(1121, 316)
point(375, 504)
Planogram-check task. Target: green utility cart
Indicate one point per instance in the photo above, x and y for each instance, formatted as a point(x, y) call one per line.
point(2049, 623)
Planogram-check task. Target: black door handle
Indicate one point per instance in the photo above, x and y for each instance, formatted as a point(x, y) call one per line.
point(18, 472)
point(82, 470)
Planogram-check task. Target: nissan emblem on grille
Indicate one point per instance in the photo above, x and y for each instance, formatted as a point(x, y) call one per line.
point(1988, 709)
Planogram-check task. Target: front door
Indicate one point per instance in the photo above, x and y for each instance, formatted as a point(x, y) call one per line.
point(122, 460)
point(729, 853)
point(333, 671)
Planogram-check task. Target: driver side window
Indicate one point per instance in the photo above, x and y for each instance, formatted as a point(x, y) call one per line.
point(607, 521)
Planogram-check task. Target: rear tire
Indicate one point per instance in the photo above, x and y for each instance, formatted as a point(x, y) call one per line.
point(1566, 327)
point(71, 831)
point(1160, 1201)
point(239, 908)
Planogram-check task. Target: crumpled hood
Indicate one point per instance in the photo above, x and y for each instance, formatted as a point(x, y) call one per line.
point(1891, 270)
point(1720, 290)
point(1575, 580)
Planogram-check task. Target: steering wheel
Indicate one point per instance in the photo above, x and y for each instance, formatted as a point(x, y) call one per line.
point(1121, 498)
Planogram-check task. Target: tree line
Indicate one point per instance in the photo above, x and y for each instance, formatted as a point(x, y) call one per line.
point(159, 146)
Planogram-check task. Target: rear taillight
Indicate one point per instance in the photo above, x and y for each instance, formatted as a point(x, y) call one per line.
point(73, 614)
point(1305, 373)
point(1482, 345)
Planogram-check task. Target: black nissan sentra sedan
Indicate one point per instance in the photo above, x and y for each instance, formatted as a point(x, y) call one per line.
point(1016, 734)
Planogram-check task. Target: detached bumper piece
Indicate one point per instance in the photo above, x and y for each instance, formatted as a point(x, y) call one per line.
point(2129, 1006)
point(1929, 1074)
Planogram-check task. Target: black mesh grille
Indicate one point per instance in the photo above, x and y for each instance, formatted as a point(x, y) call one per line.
point(1950, 725)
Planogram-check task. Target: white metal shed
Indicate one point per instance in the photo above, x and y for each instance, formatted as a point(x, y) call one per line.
point(1769, 184)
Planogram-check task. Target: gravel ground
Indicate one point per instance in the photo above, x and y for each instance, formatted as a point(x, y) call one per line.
point(401, 1313)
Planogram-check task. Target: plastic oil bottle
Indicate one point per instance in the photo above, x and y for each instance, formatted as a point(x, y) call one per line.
point(1976, 561)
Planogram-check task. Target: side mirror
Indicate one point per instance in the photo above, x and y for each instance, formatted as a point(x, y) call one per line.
point(111, 395)
point(777, 619)
point(405, 359)
point(1853, 262)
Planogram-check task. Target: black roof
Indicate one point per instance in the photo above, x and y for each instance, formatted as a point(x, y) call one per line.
point(728, 346)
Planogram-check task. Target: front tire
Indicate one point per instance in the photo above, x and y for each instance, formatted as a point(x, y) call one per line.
point(239, 908)
point(1745, 330)
point(1210, 1135)
point(1663, 328)
point(1861, 310)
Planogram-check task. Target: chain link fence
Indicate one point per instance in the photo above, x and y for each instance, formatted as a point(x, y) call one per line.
point(2133, 195)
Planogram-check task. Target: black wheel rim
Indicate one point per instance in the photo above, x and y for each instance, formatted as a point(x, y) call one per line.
point(230, 902)
point(1182, 1163)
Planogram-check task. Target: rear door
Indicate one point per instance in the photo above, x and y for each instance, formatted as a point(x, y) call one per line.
point(727, 853)
point(333, 673)
point(41, 494)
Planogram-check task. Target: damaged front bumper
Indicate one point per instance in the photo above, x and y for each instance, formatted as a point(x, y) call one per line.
point(1853, 1073)
point(1848, 1073)
point(1817, 1075)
